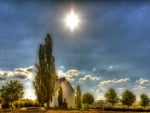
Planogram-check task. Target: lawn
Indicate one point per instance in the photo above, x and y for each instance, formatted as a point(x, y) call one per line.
point(60, 111)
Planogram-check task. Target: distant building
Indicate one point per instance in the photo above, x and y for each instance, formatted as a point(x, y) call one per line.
point(68, 93)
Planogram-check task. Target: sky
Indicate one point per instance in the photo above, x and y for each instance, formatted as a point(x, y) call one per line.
point(109, 48)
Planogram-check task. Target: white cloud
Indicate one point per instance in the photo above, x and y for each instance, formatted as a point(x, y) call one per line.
point(106, 82)
point(17, 73)
point(23, 73)
point(68, 74)
point(61, 73)
point(122, 80)
point(142, 81)
point(141, 84)
point(138, 87)
point(89, 77)
point(72, 72)
point(114, 81)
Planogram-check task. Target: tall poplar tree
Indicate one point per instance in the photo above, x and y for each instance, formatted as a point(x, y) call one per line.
point(44, 82)
point(78, 97)
point(38, 84)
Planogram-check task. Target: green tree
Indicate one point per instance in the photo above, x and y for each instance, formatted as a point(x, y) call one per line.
point(39, 78)
point(39, 86)
point(111, 96)
point(144, 100)
point(60, 97)
point(87, 99)
point(45, 79)
point(128, 98)
point(11, 92)
point(78, 97)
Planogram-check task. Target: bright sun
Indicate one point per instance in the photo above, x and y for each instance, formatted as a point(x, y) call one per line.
point(72, 20)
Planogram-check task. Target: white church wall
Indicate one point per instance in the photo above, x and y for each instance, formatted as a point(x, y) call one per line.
point(68, 94)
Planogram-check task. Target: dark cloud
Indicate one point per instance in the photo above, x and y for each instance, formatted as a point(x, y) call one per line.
point(2, 79)
point(17, 73)
point(30, 69)
point(19, 76)
point(111, 34)
point(104, 34)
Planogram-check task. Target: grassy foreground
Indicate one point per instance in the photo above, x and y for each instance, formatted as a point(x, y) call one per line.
point(59, 111)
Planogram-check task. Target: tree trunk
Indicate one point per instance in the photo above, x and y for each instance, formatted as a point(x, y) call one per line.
point(40, 104)
point(113, 106)
point(87, 106)
point(10, 105)
point(47, 105)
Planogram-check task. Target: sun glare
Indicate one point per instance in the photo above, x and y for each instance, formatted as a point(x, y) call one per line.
point(72, 20)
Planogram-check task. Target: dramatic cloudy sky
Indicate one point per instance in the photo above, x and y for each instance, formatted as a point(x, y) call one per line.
point(110, 47)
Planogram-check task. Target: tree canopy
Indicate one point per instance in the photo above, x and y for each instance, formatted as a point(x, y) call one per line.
point(128, 98)
point(144, 100)
point(78, 97)
point(44, 82)
point(88, 98)
point(12, 91)
point(111, 96)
